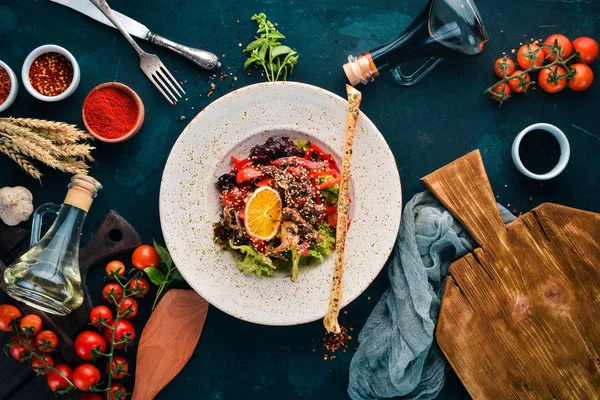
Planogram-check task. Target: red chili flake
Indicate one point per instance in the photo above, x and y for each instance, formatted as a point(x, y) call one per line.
point(51, 74)
point(514, 211)
point(4, 85)
point(209, 94)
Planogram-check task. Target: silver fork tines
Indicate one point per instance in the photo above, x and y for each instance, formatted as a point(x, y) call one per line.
point(150, 64)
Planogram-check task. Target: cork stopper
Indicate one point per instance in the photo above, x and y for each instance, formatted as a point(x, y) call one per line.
point(360, 69)
point(82, 191)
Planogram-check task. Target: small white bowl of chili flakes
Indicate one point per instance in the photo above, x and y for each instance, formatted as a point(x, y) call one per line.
point(50, 73)
point(8, 86)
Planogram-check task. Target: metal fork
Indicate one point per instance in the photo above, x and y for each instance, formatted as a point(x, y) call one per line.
point(150, 64)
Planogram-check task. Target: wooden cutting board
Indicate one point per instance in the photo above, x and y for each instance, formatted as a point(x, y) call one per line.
point(519, 315)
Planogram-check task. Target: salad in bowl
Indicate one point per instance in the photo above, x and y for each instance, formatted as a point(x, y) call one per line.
point(279, 207)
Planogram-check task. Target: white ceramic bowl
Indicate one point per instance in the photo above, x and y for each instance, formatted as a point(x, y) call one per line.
point(14, 87)
point(50, 48)
point(565, 151)
point(189, 200)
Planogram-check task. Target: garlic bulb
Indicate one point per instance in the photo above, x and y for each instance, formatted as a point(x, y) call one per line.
point(16, 205)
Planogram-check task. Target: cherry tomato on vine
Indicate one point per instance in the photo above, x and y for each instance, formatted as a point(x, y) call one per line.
point(530, 55)
point(17, 350)
point(144, 257)
point(91, 396)
point(139, 284)
point(501, 92)
point(100, 312)
point(55, 381)
point(46, 341)
point(123, 330)
point(118, 362)
point(30, 324)
point(7, 314)
point(116, 392)
point(86, 342)
point(504, 66)
point(115, 268)
point(38, 365)
point(85, 375)
point(552, 82)
point(587, 48)
point(520, 84)
point(130, 306)
point(563, 42)
point(115, 289)
point(583, 78)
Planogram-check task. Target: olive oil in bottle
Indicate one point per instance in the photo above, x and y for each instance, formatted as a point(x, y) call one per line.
point(47, 276)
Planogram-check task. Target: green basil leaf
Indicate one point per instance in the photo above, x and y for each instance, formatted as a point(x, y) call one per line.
point(249, 62)
point(276, 35)
point(155, 276)
point(256, 44)
point(164, 255)
point(176, 275)
point(280, 50)
point(263, 51)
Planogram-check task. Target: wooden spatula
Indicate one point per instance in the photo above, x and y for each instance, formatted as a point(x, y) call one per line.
point(168, 341)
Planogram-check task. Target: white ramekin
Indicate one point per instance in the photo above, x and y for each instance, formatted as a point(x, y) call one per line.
point(14, 87)
point(565, 151)
point(50, 48)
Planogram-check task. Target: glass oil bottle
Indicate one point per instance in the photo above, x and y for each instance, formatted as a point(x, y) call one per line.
point(47, 276)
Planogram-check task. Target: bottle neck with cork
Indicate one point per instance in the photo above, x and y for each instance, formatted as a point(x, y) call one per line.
point(47, 276)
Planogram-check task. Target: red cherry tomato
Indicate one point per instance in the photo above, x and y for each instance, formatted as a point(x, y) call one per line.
point(332, 219)
point(17, 350)
point(116, 392)
point(119, 367)
point(530, 55)
point(139, 285)
point(115, 268)
point(504, 67)
point(123, 330)
point(552, 82)
point(55, 381)
point(46, 341)
point(7, 314)
point(501, 92)
point(144, 257)
point(30, 324)
point(564, 44)
point(583, 78)
point(86, 342)
point(248, 174)
point(129, 308)
point(100, 313)
point(85, 375)
point(115, 289)
point(520, 84)
point(39, 366)
point(587, 48)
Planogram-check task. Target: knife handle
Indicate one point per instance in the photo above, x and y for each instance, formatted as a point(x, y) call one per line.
point(204, 59)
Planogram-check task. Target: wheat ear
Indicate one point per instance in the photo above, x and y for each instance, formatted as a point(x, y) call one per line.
point(28, 167)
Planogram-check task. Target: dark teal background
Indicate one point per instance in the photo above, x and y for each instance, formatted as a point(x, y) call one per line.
point(428, 125)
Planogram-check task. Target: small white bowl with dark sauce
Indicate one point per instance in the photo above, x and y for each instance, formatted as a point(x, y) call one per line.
point(541, 151)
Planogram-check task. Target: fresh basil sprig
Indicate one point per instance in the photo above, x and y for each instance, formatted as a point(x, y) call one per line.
point(268, 52)
point(166, 272)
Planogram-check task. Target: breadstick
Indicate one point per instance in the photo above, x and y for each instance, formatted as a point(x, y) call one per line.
point(331, 319)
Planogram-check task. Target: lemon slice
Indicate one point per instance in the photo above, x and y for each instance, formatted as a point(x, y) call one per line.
point(263, 213)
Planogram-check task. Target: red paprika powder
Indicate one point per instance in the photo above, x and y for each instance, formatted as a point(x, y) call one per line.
point(4, 85)
point(110, 113)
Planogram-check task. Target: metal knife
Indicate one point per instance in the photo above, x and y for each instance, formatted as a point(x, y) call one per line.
point(202, 58)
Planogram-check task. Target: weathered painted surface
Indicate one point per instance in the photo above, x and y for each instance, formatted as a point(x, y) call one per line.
point(427, 125)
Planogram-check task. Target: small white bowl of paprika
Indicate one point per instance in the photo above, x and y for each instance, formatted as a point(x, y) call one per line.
point(9, 86)
point(113, 112)
point(50, 73)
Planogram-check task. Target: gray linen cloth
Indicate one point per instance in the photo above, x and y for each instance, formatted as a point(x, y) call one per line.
point(398, 356)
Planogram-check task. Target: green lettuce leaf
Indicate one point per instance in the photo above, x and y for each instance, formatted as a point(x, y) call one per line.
point(321, 250)
point(331, 193)
point(303, 144)
point(254, 262)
